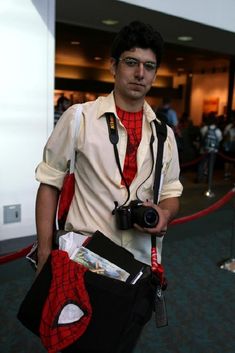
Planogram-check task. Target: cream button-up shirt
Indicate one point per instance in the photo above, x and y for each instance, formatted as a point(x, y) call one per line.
point(97, 178)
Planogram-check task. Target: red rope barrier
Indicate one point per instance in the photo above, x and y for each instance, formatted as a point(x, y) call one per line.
point(206, 211)
point(198, 159)
point(226, 157)
point(16, 255)
point(194, 161)
point(214, 207)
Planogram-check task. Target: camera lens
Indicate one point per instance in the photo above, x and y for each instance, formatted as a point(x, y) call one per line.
point(150, 218)
point(145, 216)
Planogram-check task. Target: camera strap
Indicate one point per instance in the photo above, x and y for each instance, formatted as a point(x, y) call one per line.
point(161, 131)
point(114, 138)
point(158, 277)
point(157, 269)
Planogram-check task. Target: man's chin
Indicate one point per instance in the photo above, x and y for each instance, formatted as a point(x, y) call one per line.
point(138, 93)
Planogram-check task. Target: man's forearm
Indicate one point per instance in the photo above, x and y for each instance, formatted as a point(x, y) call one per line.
point(46, 206)
point(171, 207)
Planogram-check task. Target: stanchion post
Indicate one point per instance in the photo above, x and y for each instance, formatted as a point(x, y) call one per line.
point(211, 163)
point(229, 264)
point(233, 240)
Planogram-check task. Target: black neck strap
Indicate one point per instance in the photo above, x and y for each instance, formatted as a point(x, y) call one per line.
point(161, 131)
point(114, 138)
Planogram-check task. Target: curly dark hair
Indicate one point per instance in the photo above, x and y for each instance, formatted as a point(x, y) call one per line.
point(138, 35)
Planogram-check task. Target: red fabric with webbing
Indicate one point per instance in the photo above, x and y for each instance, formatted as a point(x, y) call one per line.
point(68, 187)
point(157, 268)
point(58, 330)
point(65, 200)
point(133, 125)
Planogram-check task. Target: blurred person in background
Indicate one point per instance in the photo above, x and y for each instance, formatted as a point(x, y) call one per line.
point(211, 136)
point(63, 103)
point(229, 146)
point(167, 114)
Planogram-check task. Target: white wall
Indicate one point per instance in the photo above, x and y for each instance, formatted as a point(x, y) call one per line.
point(26, 101)
point(215, 13)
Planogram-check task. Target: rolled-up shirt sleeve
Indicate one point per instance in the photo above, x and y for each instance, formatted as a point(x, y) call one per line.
point(57, 151)
point(171, 185)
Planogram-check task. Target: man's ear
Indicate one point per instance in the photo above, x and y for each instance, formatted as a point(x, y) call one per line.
point(113, 66)
point(155, 76)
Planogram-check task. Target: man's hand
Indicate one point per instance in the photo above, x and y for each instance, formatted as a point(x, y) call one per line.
point(42, 259)
point(167, 210)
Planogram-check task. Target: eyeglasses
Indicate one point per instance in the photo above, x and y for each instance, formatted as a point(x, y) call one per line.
point(133, 62)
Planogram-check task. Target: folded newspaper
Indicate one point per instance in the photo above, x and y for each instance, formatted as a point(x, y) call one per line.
point(72, 243)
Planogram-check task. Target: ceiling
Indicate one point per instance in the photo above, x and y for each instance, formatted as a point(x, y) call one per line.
point(81, 21)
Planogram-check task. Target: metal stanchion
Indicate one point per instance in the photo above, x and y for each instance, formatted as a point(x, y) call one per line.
point(211, 163)
point(229, 264)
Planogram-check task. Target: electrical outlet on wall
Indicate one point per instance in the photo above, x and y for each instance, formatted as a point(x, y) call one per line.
point(11, 213)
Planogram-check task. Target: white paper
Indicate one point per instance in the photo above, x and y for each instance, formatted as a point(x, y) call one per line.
point(71, 241)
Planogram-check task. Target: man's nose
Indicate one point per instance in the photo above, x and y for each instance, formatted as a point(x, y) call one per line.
point(140, 71)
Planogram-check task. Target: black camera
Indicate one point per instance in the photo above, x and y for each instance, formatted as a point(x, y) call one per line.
point(136, 212)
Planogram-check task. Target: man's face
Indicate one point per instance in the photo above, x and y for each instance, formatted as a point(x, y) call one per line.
point(134, 73)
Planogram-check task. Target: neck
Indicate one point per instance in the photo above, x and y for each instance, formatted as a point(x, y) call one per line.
point(129, 105)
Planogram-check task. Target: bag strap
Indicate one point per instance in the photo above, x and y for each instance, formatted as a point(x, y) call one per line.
point(77, 120)
point(161, 131)
point(158, 277)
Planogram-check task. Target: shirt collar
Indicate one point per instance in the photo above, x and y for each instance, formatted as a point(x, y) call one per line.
point(107, 105)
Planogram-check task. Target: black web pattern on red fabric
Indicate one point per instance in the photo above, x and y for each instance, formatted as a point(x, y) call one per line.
point(67, 287)
point(133, 125)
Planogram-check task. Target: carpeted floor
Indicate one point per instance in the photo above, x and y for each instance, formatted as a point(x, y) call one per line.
point(200, 296)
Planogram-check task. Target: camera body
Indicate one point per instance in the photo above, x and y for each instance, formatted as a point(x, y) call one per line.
point(136, 212)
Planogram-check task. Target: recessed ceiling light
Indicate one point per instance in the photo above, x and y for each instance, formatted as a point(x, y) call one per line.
point(179, 58)
point(185, 38)
point(110, 22)
point(97, 58)
point(74, 42)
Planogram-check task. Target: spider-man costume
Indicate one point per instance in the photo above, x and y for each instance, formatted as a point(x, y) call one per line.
point(67, 310)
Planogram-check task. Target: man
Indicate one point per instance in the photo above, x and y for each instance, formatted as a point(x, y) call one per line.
point(211, 136)
point(168, 112)
point(136, 54)
point(169, 116)
point(229, 146)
